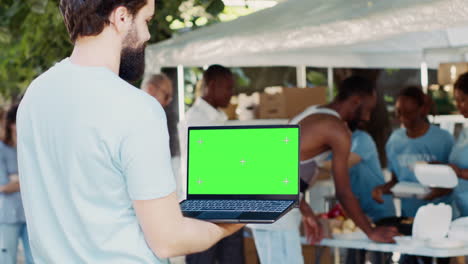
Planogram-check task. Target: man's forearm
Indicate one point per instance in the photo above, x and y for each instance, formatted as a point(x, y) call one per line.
point(354, 211)
point(191, 236)
point(389, 185)
point(462, 173)
point(169, 233)
point(437, 192)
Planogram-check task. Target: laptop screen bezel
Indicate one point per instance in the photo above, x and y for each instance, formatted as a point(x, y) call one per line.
point(243, 196)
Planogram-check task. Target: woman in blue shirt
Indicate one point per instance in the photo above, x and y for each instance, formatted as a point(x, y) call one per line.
point(12, 219)
point(417, 141)
point(366, 175)
point(459, 156)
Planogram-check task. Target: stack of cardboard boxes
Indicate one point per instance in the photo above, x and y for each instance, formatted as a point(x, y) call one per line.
point(448, 73)
point(279, 102)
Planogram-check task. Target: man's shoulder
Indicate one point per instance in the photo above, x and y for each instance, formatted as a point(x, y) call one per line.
point(143, 104)
point(321, 121)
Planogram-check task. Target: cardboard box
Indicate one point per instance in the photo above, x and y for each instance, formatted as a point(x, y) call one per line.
point(281, 102)
point(230, 111)
point(448, 73)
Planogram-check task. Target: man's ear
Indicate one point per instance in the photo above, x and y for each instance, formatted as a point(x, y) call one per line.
point(121, 20)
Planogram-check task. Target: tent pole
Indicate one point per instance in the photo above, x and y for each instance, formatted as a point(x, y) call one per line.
point(181, 91)
point(301, 76)
point(330, 82)
point(424, 77)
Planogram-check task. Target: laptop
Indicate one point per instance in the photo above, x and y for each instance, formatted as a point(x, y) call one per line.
point(242, 174)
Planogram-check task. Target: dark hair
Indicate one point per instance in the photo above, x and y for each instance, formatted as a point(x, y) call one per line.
point(415, 93)
point(355, 85)
point(88, 17)
point(10, 119)
point(462, 83)
point(215, 71)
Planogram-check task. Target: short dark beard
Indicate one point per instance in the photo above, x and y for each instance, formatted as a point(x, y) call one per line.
point(132, 60)
point(132, 63)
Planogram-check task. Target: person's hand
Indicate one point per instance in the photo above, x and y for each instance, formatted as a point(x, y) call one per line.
point(383, 234)
point(456, 169)
point(312, 229)
point(229, 229)
point(377, 194)
point(431, 195)
point(436, 193)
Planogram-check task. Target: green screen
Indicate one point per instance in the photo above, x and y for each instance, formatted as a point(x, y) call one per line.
point(244, 161)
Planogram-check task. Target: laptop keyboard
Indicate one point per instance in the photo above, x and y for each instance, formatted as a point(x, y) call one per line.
point(236, 205)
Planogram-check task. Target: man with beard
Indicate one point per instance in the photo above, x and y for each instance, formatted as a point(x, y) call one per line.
point(93, 150)
point(324, 131)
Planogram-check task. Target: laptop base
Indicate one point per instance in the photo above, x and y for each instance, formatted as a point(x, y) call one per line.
point(220, 216)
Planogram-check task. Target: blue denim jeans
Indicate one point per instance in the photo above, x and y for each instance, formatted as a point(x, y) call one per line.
point(10, 234)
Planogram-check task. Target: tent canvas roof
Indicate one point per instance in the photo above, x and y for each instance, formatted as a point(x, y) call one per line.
point(322, 33)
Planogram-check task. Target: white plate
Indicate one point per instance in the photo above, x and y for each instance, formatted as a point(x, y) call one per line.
point(436, 175)
point(445, 243)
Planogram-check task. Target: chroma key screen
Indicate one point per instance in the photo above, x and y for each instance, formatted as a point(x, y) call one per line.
point(243, 161)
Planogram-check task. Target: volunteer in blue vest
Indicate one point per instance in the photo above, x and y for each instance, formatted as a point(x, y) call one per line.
point(416, 141)
point(459, 156)
point(365, 175)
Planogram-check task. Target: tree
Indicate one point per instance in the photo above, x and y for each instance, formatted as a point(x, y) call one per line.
point(33, 36)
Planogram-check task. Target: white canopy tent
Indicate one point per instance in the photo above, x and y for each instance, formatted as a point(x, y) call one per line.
point(326, 33)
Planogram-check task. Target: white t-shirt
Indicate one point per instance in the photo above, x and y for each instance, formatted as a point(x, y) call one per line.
point(89, 144)
point(200, 114)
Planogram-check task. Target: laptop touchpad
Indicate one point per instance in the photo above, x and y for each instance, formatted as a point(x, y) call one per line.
point(219, 215)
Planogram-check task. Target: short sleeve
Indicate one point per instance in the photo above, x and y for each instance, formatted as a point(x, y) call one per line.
point(11, 162)
point(145, 156)
point(364, 146)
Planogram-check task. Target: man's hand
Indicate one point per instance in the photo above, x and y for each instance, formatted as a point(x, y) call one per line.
point(383, 234)
point(229, 229)
point(456, 169)
point(313, 229)
point(377, 194)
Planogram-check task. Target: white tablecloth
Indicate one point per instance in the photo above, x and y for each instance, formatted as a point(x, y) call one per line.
point(373, 246)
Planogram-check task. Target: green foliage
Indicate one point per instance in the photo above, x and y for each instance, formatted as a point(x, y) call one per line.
point(33, 36)
point(317, 78)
